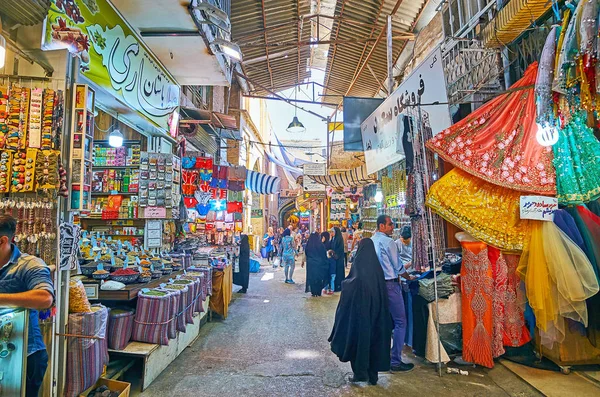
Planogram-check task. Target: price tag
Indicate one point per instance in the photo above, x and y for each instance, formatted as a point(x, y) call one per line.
point(163, 285)
point(155, 212)
point(145, 290)
point(171, 280)
point(540, 208)
point(113, 192)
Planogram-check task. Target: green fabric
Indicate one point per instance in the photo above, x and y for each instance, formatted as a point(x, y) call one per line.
point(577, 163)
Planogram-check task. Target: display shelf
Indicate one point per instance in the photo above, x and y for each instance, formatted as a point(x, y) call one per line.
point(115, 194)
point(110, 220)
point(130, 291)
point(121, 235)
point(116, 167)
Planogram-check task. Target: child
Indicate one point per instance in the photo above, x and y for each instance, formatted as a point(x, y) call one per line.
point(331, 259)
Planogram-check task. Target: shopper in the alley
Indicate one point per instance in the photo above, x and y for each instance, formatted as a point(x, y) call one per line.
point(362, 330)
point(393, 269)
point(337, 245)
point(242, 277)
point(316, 265)
point(288, 256)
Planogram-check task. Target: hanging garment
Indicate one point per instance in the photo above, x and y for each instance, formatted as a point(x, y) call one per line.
point(577, 162)
point(543, 83)
point(558, 279)
point(567, 224)
point(477, 287)
point(498, 144)
point(508, 322)
point(467, 202)
point(586, 58)
point(566, 65)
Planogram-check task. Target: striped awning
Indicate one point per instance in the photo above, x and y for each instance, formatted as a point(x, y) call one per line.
point(355, 177)
point(260, 183)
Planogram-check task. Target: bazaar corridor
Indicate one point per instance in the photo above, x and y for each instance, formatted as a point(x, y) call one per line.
point(274, 343)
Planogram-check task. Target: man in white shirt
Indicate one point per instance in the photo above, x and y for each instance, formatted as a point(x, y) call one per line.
point(393, 269)
point(405, 246)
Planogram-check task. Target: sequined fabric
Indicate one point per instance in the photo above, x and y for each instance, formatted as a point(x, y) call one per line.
point(488, 212)
point(498, 144)
point(577, 163)
point(543, 82)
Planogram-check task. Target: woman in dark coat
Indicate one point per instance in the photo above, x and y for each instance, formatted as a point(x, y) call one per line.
point(337, 245)
point(316, 265)
point(362, 330)
point(242, 277)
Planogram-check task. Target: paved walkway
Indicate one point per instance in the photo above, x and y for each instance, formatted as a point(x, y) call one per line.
point(274, 343)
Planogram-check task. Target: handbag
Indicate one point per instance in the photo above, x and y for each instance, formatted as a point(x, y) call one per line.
point(277, 262)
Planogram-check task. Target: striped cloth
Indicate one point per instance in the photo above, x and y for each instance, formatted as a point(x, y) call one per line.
point(152, 319)
point(262, 183)
point(86, 357)
point(183, 296)
point(192, 286)
point(120, 327)
point(199, 277)
point(355, 177)
point(175, 297)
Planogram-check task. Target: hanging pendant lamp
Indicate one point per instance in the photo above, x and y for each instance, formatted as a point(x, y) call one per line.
point(115, 138)
point(295, 126)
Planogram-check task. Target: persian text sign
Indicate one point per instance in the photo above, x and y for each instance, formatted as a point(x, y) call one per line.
point(112, 57)
point(381, 130)
point(540, 208)
point(315, 169)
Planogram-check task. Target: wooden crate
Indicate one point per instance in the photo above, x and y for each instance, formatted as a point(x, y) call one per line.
point(113, 385)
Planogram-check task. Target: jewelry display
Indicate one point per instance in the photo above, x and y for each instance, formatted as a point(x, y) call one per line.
point(13, 350)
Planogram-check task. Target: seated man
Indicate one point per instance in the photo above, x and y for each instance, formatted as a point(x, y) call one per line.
point(25, 282)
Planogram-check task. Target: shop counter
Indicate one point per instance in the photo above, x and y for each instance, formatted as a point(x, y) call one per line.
point(155, 358)
point(130, 291)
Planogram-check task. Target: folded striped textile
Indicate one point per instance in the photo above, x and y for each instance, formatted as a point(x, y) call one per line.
point(87, 349)
point(192, 286)
point(120, 327)
point(153, 315)
point(260, 183)
point(182, 297)
point(199, 277)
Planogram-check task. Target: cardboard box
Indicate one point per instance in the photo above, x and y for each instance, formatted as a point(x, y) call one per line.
point(114, 385)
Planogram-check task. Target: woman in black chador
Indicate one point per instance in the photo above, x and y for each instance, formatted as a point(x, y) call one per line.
point(362, 331)
point(242, 278)
point(337, 245)
point(316, 265)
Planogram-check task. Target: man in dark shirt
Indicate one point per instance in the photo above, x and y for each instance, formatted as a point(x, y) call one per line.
point(25, 282)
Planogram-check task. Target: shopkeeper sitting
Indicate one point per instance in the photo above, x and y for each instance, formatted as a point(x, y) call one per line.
point(25, 282)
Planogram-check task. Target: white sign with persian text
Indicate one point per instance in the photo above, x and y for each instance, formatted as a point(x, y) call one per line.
point(426, 86)
point(315, 169)
point(540, 208)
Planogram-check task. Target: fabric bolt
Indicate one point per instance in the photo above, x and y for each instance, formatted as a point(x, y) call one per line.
point(361, 332)
point(120, 328)
point(316, 265)
point(497, 142)
point(577, 162)
point(427, 287)
point(86, 357)
point(558, 279)
point(242, 277)
point(567, 224)
point(477, 312)
point(465, 201)
point(153, 315)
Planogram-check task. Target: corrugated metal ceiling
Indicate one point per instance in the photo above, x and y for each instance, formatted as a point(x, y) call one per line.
point(258, 27)
point(346, 72)
point(25, 12)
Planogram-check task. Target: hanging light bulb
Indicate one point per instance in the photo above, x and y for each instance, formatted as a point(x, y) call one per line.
point(115, 138)
point(546, 135)
point(379, 196)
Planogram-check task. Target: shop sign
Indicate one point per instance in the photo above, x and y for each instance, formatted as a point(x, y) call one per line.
point(540, 208)
point(113, 57)
point(256, 213)
point(391, 201)
point(315, 169)
point(155, 212)
point(309, 185)
point(315, 195)
point(381, 131)
point(69, 245)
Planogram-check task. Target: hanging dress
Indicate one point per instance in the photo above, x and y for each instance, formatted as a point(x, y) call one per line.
point(488, 212)
point(477, 288)
point(497, 142)
point(577, 162)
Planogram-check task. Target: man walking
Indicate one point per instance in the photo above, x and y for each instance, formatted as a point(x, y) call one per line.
point(393, 269)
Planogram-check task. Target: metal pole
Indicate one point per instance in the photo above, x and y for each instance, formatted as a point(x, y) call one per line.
point(432, 241)
point(390, 65)
point(327, 145)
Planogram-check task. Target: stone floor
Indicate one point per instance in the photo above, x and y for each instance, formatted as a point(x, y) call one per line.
point(274, 343)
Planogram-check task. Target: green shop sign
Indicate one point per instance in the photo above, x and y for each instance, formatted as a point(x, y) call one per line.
point(256, 213)
point(112, 56)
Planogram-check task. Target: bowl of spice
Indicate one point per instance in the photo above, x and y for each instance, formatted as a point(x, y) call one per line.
point(145, 276)
point(100, 274)
point(125, 276)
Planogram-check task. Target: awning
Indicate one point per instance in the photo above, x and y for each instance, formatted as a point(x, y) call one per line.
point(355, 177)
point(512, 20)
point(262, 183)
point(220, 125)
